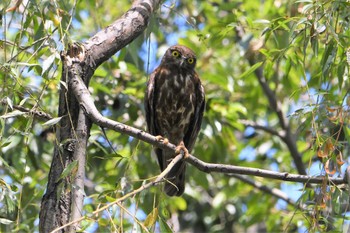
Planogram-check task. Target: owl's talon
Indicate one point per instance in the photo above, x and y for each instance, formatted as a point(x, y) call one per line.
point(173, 113)
point(162, 139)
point(181, 148)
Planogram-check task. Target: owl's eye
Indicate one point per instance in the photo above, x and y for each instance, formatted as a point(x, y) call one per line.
point(175, 53)
point(190, 60)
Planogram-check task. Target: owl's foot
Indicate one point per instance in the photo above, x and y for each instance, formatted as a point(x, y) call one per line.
point(181, 148)
point(162, 139)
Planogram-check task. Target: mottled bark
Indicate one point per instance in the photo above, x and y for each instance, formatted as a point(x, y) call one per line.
point(63, 200)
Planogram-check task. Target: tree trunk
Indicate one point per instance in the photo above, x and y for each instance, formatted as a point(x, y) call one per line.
point(63, 200)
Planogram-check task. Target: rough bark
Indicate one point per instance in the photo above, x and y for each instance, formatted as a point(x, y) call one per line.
point(63, 199)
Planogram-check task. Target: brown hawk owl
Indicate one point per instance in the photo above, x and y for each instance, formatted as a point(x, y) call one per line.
point(174, 105)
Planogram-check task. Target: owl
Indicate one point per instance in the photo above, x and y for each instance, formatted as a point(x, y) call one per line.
point(174, 106)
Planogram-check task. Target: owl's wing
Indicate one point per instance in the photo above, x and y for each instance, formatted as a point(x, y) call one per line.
point(149, 104)
point(150, 113)
point(196, 121)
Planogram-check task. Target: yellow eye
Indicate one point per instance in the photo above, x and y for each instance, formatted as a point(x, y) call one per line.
point(190, 60)
point(175, 53)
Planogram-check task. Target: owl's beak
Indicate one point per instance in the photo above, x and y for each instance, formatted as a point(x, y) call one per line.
point(183, 60)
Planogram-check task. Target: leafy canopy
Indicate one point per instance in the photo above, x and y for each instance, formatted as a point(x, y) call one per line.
point(302, 48)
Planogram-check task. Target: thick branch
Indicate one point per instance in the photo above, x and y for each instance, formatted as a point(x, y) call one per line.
point(86, 102)
point(56, 205)
point(107, 42)
point(78, 193)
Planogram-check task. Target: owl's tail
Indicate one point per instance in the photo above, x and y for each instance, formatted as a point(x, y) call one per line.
point(175, 184)
point(175, 179)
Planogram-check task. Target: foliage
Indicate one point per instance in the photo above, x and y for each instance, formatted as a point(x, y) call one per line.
point(305, 55)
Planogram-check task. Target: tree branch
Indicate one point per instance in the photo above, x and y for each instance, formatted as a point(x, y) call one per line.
point(287, 136)
point(285, 176)
point(82, 135)
point(261, 127)
point(36, 113)
point(86, 102)
point(116, 36)
point(272, 191)
point(56, 206)
point(159, 179)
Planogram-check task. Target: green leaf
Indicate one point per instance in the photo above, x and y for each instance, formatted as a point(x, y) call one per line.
point(109, 198)
point(70, 169)
point(340, 73)
point(59, 191)
point(314, 44)
point(180, 203)
point(151, 218)
point(328, 58)
point(13, 114)
point(303, 1)
point(23, 101)
point(219, 199)
point(217, 79)
point(164, 227)
point(9, 103)
point(53, 121)
point(347, 133)
point(27, 64)
point(48, 63)
point(10, 204)
point(307, 7)
point(250, 70)
point(5, 221)
point(262, 21)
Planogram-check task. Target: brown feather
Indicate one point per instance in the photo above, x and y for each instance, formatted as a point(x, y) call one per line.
point(174, 105)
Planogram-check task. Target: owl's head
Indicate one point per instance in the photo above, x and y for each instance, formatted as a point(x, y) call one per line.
point(181, 56)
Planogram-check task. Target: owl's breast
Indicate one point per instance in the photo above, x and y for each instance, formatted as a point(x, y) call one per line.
point(175, 105)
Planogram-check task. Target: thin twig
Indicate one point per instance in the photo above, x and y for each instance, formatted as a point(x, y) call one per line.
point(37, 113)
point(133, 216)
point(56, 206)
point(87, 104)
point(159, 178)
point(261, 127)
point(272, 191)
point(275, 104)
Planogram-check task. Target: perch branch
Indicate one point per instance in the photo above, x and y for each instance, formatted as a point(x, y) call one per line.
point(285, 176)
point(87, 104)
